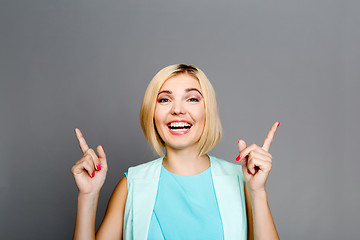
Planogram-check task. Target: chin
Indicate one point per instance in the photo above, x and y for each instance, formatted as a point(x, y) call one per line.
point(181, 145)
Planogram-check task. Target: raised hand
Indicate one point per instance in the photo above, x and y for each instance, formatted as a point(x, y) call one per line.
point(90, 171)
point(257, 161)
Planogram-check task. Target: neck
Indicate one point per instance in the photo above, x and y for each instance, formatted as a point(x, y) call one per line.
point(185, 161)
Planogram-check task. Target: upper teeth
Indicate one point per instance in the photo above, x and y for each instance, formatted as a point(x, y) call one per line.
point(179, 124)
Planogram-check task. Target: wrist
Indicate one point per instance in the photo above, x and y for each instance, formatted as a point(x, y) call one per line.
point(258, 194)
point(88, 196)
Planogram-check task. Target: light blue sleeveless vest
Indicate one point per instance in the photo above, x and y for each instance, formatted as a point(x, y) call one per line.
point(142, 185)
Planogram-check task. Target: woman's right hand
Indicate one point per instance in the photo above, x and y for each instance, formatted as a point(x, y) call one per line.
point(90, 171)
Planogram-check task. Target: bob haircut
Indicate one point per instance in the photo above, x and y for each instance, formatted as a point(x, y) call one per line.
point(212, 131)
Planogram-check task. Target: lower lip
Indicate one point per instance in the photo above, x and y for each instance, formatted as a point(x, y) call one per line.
point(179, 132)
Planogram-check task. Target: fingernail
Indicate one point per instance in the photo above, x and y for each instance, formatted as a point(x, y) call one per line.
point(278, 124)
point(238, 158)
point(98, 167)
point(93, 174)
point(102, 147)
point(75, 130)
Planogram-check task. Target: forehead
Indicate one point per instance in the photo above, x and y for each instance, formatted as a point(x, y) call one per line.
point(180, 82)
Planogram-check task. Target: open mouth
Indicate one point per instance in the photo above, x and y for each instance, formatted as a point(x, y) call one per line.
point(179, 126)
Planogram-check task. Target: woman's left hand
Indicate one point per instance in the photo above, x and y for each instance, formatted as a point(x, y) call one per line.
point(257, 161)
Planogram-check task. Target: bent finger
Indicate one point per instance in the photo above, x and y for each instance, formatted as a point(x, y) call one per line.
point(261, 156)
point(89, 168)
point(94, 159)
point(245, 152)
point(255, 163)
point(81, 166)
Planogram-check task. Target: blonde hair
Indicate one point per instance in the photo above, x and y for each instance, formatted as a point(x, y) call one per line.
point(212, 132)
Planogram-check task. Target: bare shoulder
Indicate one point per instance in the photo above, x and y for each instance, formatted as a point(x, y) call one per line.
point(119, 195)
point(121, 187)
point(112, 225)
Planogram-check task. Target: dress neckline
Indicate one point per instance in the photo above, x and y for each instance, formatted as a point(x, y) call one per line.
point(185, 176)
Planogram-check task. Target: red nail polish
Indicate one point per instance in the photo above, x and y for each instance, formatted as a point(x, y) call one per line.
point(238, 158)
point(98, 167)
point(278, 124)
point(102, 147)
point(93, 174)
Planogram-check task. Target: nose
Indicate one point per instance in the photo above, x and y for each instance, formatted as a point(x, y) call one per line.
point(178, 108)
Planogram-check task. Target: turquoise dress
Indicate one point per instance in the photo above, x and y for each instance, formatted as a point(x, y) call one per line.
point(185, 208)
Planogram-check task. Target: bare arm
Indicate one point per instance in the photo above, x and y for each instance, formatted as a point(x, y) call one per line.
point(85, 217)
point(250, 223)
point(112, 225)
point(256, 165)
point(89, 174)
point(260, 222)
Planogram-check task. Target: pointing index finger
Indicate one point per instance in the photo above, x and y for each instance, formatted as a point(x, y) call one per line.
point(83, 145)
point(270, 136)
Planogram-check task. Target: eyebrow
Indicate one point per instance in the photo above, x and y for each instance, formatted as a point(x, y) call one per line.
point(186, 90)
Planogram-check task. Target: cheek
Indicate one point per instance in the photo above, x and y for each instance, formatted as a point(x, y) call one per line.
point(199, 114)
point(156, 120)
point(158, 125)
point(159, 116)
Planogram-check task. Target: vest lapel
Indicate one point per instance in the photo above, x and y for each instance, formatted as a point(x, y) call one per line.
point(230, 201)
point(145, 190)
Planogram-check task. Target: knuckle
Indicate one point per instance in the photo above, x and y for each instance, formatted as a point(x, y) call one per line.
point(90, 151)
point(268, 165)
point(80, 161)
point(87, 157)
point(93, 155)
point(87, 160)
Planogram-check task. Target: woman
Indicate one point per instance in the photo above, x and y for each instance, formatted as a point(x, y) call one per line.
point(184, 194)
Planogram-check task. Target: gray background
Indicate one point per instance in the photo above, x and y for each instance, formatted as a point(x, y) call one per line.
point(86, 64)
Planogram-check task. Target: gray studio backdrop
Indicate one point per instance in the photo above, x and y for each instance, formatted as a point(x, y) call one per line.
point(86, 64)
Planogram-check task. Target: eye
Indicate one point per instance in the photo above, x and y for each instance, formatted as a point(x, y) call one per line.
point(163, 100)
point(193, 100)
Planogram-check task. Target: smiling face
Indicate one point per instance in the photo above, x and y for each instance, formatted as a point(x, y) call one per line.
point(180, 112)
